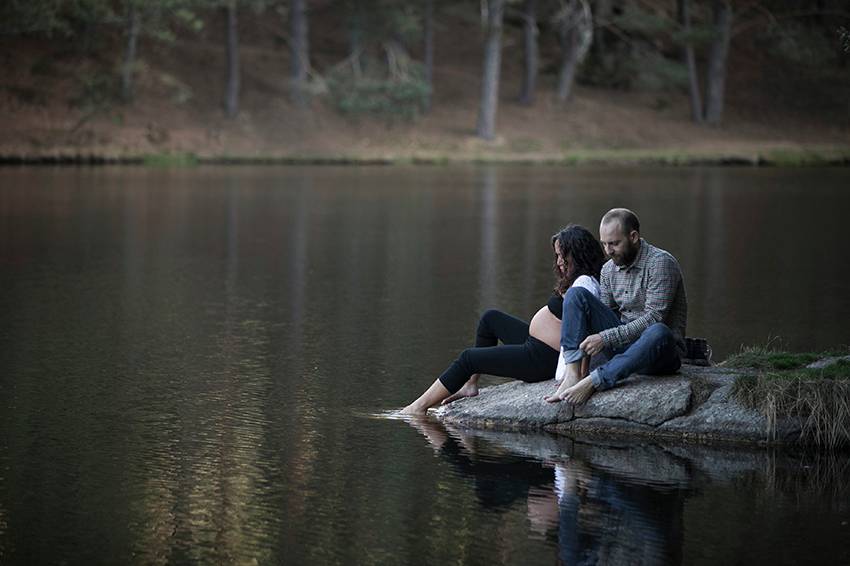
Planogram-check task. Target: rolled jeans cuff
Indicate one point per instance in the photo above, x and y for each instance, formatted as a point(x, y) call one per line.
point(597, 380)
point(571, 356)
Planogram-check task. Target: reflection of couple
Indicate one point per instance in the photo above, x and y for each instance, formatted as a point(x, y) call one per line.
point(600, 519)
point(633, 309)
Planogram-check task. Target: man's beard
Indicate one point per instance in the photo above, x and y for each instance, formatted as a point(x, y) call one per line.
point(627, 257)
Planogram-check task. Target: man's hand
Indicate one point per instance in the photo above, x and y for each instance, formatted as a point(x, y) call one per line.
point(592, 345)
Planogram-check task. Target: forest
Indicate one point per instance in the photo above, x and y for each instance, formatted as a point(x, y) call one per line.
point(298, 77)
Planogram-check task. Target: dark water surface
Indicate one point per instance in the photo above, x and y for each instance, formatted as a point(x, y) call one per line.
point(189, 360)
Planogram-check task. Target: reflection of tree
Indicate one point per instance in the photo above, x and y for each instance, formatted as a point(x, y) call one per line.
point(488, 280)
point(198, 424)
point(4, 527)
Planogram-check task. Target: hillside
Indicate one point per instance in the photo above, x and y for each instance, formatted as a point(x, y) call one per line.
point(55, 100)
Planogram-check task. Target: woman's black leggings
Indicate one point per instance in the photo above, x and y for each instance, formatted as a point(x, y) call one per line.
point(521, 356)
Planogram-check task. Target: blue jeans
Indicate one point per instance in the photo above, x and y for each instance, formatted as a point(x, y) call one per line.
point(653, 353)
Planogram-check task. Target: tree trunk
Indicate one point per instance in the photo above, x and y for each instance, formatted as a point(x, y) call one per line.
point(717, 62)
point(603, 15)
point(133, 27)
point(490, 77)
point(568, 36)
point(531, 58)
point(690, 61)
point(355, 38)
point(231, 97)
point(429, 52)
point(299, 52)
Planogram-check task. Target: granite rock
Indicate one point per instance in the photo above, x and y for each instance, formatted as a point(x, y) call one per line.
point(826, 362)
point(695, 404)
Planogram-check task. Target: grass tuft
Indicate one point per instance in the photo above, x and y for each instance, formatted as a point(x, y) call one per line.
point(764, 358)
point(781, 387)
point(767, 358)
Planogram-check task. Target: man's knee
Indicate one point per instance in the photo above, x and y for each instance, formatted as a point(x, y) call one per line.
point(662, 341)
point(659, 333)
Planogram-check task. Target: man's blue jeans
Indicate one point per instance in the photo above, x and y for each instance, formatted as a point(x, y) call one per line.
point(653, 353)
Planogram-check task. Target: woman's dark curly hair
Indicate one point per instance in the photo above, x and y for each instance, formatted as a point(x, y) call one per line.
point(582, 253)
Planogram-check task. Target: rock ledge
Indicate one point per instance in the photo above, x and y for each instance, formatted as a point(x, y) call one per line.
point(695, 404)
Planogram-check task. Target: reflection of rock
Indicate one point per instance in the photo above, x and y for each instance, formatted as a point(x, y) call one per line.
point(632, 459)
point(722, 463)
point(541, 446)
point(696, 404)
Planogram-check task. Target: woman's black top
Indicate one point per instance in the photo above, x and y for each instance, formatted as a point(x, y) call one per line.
point(556, 305)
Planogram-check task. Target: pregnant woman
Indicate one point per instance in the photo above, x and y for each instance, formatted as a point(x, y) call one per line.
point(529, 351)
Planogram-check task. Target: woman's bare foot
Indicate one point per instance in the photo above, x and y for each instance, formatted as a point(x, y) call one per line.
point(413, 409)
point(468, 390)
point(576, 394)
point(562, 389)
point(569, 381)
point(432, 397)
point(572, 376)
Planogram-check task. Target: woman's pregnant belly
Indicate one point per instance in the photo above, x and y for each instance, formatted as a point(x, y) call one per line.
point(546, 328)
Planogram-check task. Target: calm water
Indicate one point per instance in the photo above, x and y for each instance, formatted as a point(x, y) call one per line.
point(189, 362)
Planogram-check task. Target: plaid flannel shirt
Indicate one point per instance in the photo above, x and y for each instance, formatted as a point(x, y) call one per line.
point(649, 290)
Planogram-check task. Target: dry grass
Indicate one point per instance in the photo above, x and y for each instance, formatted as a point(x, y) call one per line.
point(781, 386)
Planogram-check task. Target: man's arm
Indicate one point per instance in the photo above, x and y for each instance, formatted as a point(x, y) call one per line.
point(605, 294)
point(662, 280)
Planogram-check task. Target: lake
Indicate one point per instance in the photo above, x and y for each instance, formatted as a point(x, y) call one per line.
point(196, 366)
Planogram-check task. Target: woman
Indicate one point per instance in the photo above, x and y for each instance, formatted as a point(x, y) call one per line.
point(529, 351)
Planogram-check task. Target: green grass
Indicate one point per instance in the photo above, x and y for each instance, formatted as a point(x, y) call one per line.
point(781, 386)
point(763, 358)
point(520, 151)
point(170, 160)
point(805, 157)
point(767, 358)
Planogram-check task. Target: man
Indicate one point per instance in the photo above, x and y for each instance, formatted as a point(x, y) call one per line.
point(639, 317)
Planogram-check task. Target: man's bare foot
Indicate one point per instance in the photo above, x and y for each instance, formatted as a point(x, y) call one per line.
point(580, 392)
point(577, 394)
point(468, 390)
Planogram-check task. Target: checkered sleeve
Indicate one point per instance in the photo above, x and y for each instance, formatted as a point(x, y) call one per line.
point(605, 294)
point(663, 277)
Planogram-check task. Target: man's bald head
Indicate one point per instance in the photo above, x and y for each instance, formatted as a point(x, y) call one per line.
point(619, 234)
point(625, 218)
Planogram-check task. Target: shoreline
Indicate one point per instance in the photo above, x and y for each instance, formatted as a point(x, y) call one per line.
point(805, 157)
point(757, 398)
